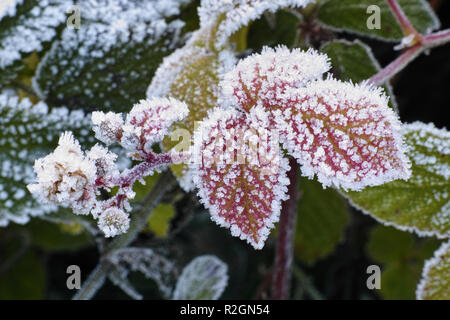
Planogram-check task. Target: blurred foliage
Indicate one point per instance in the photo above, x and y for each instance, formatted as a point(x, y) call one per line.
point(321, 221)
point(402, 255)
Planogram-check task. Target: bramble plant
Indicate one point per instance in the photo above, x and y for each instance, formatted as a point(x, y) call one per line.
point(236, 126)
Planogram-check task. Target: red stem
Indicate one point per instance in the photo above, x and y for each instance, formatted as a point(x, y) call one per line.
point(402, 19)
point(427, 42)
point(284, 252)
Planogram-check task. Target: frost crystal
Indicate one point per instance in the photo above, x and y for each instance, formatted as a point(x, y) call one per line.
point(234, 14)
point(105, 162)
point(435, 282)
point(66, 176)
point(264, 78)
point(107, 126)
point(31, 28)
point(29, 131)
point(149, 121)
point(240, 172)
point(113, 221)
point(345, 134)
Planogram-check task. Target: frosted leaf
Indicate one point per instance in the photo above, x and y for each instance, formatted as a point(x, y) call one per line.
point(420, 204)
point(107, 126)
point(87, 66)
point(66, 176)
point(240, 172)
point(148, 122)
point(435, 283)
point(345, 134)
point(231, 15)
point(151, 264)
point(25, 26)
point(113, 221)
point(204, 278)
point(118, 279)
point(264, 78)
point(191, 74)
point(30, 132)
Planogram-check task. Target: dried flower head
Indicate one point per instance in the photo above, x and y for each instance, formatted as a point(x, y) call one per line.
point(66, 176)
point(107, 126)
point(113, 221)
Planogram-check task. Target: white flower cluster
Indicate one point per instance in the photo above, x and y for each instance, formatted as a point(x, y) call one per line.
point(68, 176)
point(148, 122)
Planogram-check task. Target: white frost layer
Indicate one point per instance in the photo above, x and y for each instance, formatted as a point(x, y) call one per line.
point(205, 277)
point(32, 31)
point(239, 13)
point(8, 8)
point(21, 136)
point(439, 261)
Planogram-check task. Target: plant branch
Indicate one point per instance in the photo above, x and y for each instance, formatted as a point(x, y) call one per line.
point(417, 46)
point(138, 222)
point(284, 251)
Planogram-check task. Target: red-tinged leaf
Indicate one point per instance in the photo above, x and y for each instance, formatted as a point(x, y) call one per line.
point(264, 78)
point(345, 134)
point(240, 172)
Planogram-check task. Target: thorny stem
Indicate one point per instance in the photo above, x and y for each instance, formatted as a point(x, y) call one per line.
point(284, 251)
point(420, 44)
point(138, 222)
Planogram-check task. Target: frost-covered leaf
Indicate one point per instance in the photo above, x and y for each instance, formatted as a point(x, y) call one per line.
point(240, 172)
point(351, 15)
point(204, 278)
point(29, 132)
point(151, 264)
point(354, 61)
point(192, 73)
point(25, 26)
point(420, 204)
point(435, 283)
point(320, 224)
point(231, 15)
point(345, 134)
point(91, 67)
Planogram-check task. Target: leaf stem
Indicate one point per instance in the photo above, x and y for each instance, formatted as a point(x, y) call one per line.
point(281, 278)
point(165, 182)
point(402, 19)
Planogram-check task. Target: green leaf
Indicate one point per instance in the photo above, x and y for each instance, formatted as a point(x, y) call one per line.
point(388, 244)
point(54, 237)
point(354, 61)
point(204, 278)
point(25, 27)
point(320, 224)
point(159, 221)
point(435, 283)
point(352, 16)
point(108, 63)
point(22, 275)
point(30, 132)
point(402, 255)
point(420, 204)
point(280, 28)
